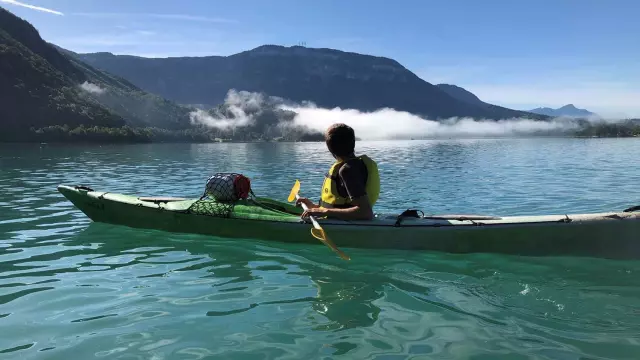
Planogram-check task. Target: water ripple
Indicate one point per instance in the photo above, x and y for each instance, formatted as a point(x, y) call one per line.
point(70, 288)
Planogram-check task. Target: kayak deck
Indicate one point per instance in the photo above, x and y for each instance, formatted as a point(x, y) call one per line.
point(611, 234)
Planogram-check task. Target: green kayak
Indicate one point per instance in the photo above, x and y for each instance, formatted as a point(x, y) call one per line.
point(613, 234)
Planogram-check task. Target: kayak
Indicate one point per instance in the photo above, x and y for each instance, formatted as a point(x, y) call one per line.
point(611, 234)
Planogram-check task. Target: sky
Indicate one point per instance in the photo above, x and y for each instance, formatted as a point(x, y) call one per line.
point(518, 54)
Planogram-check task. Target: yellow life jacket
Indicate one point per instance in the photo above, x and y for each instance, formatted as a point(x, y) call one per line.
point(330, 198)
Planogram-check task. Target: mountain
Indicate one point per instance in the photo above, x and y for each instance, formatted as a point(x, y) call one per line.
point(254, 116)
point(468, 97)
point(329, 78)
point(41, 87)
point(568, 110)
point(461, 94)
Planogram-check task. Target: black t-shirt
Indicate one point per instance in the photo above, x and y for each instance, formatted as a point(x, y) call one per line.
point(352, 179)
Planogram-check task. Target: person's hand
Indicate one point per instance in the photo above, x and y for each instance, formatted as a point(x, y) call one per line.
point(318, 211)
point(305, 201)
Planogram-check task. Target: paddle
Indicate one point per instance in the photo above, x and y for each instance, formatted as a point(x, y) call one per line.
point(317, 231)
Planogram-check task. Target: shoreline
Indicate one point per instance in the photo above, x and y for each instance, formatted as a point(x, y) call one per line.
point(76, 142)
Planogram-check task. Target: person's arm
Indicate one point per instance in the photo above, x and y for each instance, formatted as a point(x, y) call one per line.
point(361, 210)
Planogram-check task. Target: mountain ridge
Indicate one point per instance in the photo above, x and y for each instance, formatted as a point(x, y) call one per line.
point(461, 94)
point(42, 85)
point(327, 77)
point(38, 86)
point(467, 96)
point(566, 110)
point(48, 93)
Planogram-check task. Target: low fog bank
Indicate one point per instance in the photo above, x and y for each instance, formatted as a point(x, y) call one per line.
point(246, 111)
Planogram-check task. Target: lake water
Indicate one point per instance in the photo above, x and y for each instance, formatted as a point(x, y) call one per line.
point(72, 289)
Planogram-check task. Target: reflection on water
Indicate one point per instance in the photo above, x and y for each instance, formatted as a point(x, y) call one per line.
point(74, 289)
point(161, 295)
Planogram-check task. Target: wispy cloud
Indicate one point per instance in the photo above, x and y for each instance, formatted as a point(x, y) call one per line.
point(243, 106)
point(91, 88)
point(33, 7)
point(145, 32)
point(178, 17)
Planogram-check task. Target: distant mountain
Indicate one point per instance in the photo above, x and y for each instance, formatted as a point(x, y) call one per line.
point(41, 87)
point(329, 78)
point(468, 97)
point(567, 110)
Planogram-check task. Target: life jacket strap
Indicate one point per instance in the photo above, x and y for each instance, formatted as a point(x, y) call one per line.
point(332, 177)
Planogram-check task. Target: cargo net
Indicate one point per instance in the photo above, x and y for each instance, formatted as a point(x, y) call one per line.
point(222, 192)
point(211, 208)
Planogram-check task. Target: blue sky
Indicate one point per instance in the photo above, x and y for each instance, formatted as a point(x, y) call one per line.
point(519, 54)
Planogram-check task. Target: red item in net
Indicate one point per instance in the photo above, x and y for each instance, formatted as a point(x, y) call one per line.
point(242, 186)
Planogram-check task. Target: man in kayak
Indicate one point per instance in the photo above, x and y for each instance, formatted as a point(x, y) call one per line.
point(352, 185)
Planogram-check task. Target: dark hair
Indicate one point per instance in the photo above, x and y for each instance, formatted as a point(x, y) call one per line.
point(340, 139)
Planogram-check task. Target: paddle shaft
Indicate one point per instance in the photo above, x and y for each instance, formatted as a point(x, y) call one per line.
point(313, 219)
point(321, 236)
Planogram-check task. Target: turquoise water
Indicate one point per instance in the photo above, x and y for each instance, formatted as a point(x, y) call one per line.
point(71, 289)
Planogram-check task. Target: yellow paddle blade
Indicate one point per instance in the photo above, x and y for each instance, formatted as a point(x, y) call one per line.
point(294, 191)
point(317, 233)
point(320, 235)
